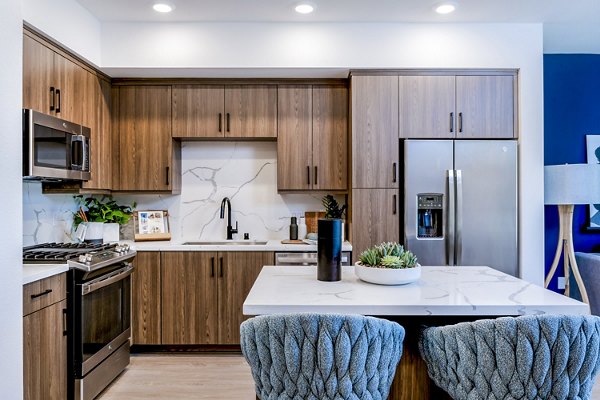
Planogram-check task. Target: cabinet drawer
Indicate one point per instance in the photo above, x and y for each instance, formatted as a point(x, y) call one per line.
point(45, 292)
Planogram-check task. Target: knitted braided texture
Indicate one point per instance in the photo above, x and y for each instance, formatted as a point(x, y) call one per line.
point(321, 356)
point(531, 357)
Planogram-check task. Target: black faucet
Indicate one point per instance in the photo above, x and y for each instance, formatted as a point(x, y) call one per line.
point(230, 230)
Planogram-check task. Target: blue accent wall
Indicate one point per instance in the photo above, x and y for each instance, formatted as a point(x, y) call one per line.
point(571, 111)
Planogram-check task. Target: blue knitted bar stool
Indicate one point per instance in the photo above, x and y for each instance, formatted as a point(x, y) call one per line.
point(321, 356)
point(531, 357)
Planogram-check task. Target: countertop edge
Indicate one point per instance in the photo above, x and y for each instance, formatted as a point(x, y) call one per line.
point(272, 245)
point(36, 272)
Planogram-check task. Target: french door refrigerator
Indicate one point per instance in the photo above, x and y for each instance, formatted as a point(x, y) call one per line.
point(460, 202)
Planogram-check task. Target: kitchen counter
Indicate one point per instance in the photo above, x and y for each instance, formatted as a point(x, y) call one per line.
point(272, 245)
point(35, 272)
point(441, 291)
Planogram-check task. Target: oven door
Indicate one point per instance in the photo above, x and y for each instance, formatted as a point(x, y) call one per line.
point(103, 311)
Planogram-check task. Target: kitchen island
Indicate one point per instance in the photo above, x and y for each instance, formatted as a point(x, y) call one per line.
point(443, 295)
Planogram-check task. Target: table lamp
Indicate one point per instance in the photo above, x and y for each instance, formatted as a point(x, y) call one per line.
point(567, 185)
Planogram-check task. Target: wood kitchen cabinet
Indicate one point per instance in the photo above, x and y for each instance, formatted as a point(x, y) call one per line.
point(189, 297)
point(375, 218)
point(45, 340)
point(96, 115)
point(312, 145)
point(218, 111)
point(237, 273)
point(148, 159)
point(52, 84)
point(375, 145)
point(192, 297)
point(146, 327)
point(461, 107)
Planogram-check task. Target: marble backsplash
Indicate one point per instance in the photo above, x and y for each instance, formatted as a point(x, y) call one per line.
point(246, 172)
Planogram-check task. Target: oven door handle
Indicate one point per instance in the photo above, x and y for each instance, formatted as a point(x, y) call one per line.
point(104, 281)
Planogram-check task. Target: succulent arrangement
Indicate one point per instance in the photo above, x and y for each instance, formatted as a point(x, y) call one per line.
point(332, 207)
point(388, 255)
point(101, 210)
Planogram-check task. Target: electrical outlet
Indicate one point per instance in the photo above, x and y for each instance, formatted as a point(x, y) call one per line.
point(561, 282)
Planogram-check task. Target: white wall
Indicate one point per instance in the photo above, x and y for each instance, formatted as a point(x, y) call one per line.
point(67, 22)
point(163, 48)
point(11, 288)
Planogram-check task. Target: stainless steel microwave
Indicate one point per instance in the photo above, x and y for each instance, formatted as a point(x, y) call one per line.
point(54, 149)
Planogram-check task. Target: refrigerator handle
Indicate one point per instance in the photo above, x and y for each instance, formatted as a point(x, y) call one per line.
point(450, 218)
point(459, 216)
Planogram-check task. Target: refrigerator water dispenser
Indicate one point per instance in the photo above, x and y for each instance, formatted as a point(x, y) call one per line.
point(430, 215)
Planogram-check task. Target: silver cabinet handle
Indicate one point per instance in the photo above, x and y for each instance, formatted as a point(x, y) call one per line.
point(459, 205)
point(450, 219)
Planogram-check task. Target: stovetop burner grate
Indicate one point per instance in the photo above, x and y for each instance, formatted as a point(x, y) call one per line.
point(60, 252)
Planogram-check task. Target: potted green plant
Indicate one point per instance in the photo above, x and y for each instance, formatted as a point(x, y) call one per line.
point(333, 210)
point(102, 217)
point(387, 264)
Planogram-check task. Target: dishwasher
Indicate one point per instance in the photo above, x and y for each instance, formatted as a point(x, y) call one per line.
point(306, 258)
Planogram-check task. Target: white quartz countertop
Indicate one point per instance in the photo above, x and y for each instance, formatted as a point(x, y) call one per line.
point(272, 245)
point(461, 291)
point(35, 272)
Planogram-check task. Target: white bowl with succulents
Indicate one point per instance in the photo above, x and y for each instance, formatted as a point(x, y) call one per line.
point(388, 264)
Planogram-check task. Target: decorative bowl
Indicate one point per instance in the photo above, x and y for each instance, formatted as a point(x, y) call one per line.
point(387, 276)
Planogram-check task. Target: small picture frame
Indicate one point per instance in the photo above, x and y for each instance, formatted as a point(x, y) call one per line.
point(151, 225)
point(592, 143)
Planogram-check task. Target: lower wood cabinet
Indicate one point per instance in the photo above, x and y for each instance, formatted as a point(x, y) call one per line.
point(192, 297)
point(45, 341)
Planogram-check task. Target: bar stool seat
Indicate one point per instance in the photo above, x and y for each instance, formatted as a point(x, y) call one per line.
point(530, 357)
point(321, 356)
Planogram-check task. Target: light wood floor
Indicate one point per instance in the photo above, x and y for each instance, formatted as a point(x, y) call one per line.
point(192, 377)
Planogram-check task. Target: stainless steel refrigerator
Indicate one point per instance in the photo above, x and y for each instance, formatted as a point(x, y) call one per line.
point(460, 202)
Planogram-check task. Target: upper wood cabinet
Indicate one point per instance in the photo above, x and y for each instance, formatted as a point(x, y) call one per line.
point(485, 106)
point(461, 107)
point(375, 145)
point(217, 111)
point(96, 115)
point(312, 145)
point(148, 159)
point(52, 84)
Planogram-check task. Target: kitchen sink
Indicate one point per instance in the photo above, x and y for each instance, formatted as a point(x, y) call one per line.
point(227, 243)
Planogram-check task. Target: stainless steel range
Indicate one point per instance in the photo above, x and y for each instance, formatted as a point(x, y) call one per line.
point(98, 301)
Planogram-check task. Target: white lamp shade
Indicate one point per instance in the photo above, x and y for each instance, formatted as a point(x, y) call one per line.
point(572, 184)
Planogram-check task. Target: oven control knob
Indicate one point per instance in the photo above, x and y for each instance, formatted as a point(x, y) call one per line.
point(125, 248)
point(88, 258)
point(82, 258)
point(118, 249)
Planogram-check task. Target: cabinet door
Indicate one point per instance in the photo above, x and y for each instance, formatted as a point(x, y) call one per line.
point(485, 106)
point(426, 107)
point(375, 144)
point(198, 111)
point(45, 354)
point(294, 140)
point(237, 273)
point(70, 79)
point(38, 67)
point(251, 111)
point(96, 116)
point(330, 138)
point(146, 299)
point(145, 144)
point(189, 297)
point(375, 218)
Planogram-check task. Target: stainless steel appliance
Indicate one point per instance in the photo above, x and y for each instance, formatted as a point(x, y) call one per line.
point(54, 149)
point(306, 258)
point(98, 310)
point(460, 202)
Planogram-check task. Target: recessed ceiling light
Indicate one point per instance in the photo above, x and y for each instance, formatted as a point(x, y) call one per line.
point(444, 8)
point(162, 8)
point(304, 8)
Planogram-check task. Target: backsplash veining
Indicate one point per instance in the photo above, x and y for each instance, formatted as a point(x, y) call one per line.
point(246, 172)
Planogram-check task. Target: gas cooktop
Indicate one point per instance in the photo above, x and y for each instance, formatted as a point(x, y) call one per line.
point(84, 256)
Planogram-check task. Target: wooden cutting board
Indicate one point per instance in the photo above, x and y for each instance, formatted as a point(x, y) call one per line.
point(289, 241)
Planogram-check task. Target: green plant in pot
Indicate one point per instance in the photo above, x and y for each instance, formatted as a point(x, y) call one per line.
point(102, 217)
point(388, 263)
point(333, 210)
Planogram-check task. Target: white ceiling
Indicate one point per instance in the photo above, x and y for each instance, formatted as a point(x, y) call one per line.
point(545, 11)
